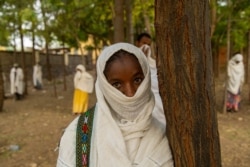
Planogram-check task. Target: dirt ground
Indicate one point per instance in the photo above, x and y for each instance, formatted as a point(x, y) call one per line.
point(35, 125)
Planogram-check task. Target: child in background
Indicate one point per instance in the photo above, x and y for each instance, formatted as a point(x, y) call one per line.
point(143, 41)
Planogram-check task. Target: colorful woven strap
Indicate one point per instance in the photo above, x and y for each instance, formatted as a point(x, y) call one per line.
point(83, 138)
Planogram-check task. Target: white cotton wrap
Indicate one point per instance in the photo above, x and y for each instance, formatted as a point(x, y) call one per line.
point(235, 72)
point(125, 141)
point(136, 139)
point(83, 80)
point(158, 112)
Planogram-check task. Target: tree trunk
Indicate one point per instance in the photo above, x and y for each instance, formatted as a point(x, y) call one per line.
point(213, 15)
point(148, 27)
point(47, 40)
point(48, 60)
point(2, 94)
point(64, 68)
point(33, 44)
point(129, 21)
point(186, 83)
point(119, 21)
point(145, 17)
point(23, 58)
point(215, 56)
point(248, 61)
point(228, 55)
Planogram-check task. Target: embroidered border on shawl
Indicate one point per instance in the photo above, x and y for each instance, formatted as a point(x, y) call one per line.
point(83, 138)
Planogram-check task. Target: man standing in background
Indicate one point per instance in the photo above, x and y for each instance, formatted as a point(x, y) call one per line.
point(16, 82)
point(143, 41)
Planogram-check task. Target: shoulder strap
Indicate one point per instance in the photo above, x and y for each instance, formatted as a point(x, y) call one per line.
point(83, 138)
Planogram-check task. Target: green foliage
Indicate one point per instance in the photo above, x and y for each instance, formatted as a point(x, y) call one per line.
point(13, 14)
point(78, 19)
point(72, 20)
point(67, 20)
point(239, 13)
point(141, 6)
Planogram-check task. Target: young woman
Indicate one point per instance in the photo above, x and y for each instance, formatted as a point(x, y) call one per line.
point(124, 132)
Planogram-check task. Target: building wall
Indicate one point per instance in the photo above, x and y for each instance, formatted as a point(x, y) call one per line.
point(57, 61)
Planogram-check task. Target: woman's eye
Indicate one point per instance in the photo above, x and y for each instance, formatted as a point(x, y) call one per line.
point(138, 80)
point(117, 85)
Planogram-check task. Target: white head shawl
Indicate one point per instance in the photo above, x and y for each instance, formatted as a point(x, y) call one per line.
point(235, 73)
point(118, 140)
point(83, 80)
point(126, 107)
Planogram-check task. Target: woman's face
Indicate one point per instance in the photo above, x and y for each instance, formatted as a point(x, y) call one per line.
point(125, 74)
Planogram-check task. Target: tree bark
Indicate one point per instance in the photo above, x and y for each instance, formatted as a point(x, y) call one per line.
point(119, 21)
point(228, 54)
point(23, 58)
point(2, 93)
point(215, 56)
point(47, 40)
point(129, 21)
point(213, 15)
point(213, 6)
point(247, 64)
point(184, 63)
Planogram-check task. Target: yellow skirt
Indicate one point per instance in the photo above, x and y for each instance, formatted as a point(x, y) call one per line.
point(80, 101)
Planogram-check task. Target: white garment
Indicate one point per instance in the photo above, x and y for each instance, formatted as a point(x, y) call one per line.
point(161, 157)
point(16, 80)
point(124, 142)
point(37, 75)
point(83, 80)
point(235, 72)
point(158, 112)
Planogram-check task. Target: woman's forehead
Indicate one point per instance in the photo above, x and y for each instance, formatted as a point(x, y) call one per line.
point(110, 50)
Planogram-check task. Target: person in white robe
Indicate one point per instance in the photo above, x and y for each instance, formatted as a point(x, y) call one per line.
point(235, 81)
point(16, 82)
point(124, 133)
point(143, 41)
point(83, 84)
point(37, 76)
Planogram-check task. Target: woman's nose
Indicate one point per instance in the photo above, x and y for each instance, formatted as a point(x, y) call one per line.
point(129, 90)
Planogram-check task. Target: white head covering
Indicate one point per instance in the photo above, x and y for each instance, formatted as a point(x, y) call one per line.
point(122, 135)
point(125, 142)
point(235, 72)
point(238, 57)
point(83, 80)
point(125, 106)
point(80, 67)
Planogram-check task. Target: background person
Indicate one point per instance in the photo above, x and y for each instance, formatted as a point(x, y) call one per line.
point(83, 84)
point(236, 74)
point(16, 82)
point(143, 41)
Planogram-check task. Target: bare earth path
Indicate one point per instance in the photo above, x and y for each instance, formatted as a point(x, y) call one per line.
point(36, 123)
